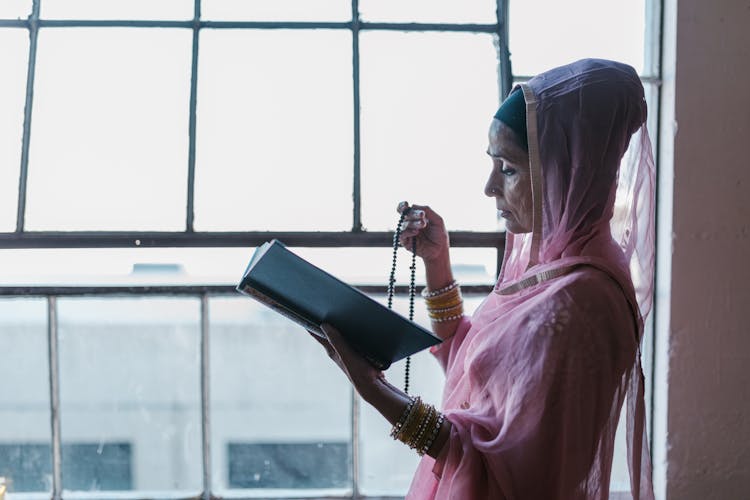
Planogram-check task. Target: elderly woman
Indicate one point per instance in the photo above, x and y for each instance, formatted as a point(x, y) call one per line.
point(537, 376)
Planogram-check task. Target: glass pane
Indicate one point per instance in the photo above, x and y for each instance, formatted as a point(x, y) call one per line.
point(277, 402)
point(429, 11)
point(609, 29)
point(14, 56)
point(274, 131)
point(387, 466)
point(276, 10)
point(110, 142)
point(372, 266)
point(15, 9)
point(118, 9)
point(619, 476)
point(217, 266)
point(123, 266)
point(130, 385)
point(427, 103)
point(25, 460)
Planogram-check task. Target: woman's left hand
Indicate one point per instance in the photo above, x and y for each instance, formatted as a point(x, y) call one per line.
point(369, 381)
point(361, 373)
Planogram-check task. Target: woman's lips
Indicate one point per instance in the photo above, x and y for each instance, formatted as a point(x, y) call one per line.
point(504, 213)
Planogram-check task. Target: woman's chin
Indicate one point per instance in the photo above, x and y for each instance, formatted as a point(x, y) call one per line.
point(515, 228)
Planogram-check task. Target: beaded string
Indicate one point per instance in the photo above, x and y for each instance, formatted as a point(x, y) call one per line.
point(412, 287)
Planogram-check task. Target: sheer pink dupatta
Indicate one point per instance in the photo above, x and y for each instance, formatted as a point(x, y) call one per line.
point(593, 184)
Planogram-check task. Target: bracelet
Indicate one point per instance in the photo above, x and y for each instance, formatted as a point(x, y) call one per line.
point(419, 426)
point(444, 314)
point(452, 300)
point(396, 432)
point(409, 423)
point(445, 300)
point(446, 318)
point(424, 429)
point(402, 419)
point(417, 437)
point(411, 426)
point(435, 432)
point(429, 294)
point(436, 312)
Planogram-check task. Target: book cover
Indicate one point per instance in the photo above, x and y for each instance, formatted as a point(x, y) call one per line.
point(309, 296)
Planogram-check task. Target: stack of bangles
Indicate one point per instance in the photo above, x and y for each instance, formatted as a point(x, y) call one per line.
point(418, 426)
point(445, 304)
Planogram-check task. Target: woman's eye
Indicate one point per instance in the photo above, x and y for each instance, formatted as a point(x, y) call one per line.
point(507, 171)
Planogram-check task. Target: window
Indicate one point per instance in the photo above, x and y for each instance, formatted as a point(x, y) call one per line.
point(146, 147)
point(289, 465)
point(85, 466)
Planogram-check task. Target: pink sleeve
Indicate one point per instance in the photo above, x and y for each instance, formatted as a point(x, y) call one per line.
point(445, 351)
point(538, 418)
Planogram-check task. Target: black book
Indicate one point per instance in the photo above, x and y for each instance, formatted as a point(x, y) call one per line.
point(309, 296)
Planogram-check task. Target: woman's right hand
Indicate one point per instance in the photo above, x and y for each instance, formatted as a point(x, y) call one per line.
point(427, 227)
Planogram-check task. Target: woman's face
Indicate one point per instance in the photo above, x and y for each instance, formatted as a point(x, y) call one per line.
point(510, 180)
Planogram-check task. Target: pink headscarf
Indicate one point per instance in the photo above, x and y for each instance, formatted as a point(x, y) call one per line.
point(536, 379)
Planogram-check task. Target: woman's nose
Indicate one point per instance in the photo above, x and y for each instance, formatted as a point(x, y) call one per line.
point(493, 187)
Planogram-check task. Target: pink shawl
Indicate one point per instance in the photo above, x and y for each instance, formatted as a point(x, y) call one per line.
point(536, 379)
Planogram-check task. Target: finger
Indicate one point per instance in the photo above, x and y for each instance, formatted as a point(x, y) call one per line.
point(414, 214)
point(339, 344)
point(406, 241)
point(430, 214)
point(326, 345)
point(416, 225)
point(331, 333)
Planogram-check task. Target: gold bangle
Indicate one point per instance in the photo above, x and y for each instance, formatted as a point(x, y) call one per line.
point(445, 319)
point(448, 303)
point(411, 426)
point(426, 429)
point(419, 434)
point(450, 296)
point(402, 419)
point(435, 432)
point(415, 435)
point(409, 418)
point(434, 293)
point(458, 306)
point(444, 314)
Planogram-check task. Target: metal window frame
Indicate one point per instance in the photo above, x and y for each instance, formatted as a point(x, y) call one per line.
point(95, 239)
point(202, 293)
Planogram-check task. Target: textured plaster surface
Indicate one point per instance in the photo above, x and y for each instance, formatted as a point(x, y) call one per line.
point(708, 407)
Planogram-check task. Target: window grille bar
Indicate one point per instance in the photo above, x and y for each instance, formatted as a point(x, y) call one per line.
point(474, 28)
point(506, 72)
point(183, 290)
point(355, 444)
point(205, 399)
point(136, 495)
point(54, 396)
point(115, 239)
point(191, 126)
point(33, 26)
point(14, 23)
point(363, 25)
point(356, 190)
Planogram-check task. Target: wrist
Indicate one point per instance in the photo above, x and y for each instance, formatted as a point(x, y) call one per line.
point(440, 259)
point(387, 399)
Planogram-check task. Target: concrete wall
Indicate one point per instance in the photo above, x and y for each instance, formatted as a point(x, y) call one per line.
point(704, 414)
